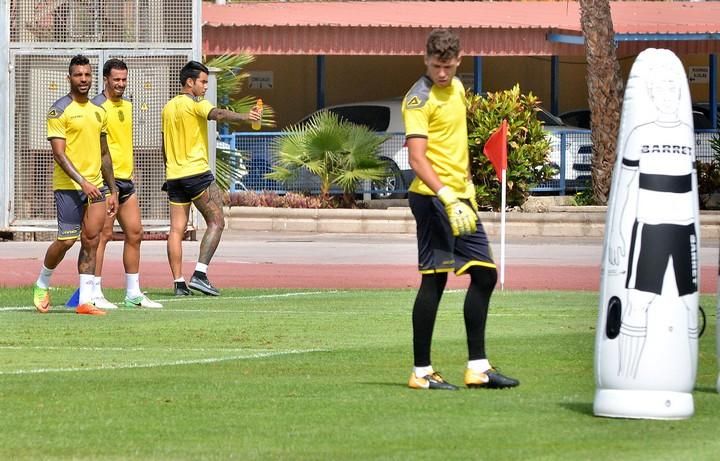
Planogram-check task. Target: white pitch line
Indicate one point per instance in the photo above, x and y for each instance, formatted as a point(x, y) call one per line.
point(204, 298)
point(298, 312)
point(279, 295)
point(241, 310)
point(133, 349)
point(159, 364)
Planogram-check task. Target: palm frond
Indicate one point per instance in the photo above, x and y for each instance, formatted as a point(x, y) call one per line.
point(229, 167)
point(336, 151)
point(230, 82)
point(230, 77)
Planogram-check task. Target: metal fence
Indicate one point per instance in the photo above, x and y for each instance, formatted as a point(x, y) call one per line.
point(570, 153)
point(259, 149)
point(62, 22)
point(571, 156)
point(155, 39)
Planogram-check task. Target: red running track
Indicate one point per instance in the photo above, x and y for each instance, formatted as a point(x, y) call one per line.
point(156, 274)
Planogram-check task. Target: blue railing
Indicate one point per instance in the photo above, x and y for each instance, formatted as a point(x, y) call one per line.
point(258, 152)
point(570, 153)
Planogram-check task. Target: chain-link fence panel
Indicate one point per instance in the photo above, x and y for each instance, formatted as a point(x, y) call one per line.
point(571, 156)
point(101, 22)
point(44, 35)
point(703, 149)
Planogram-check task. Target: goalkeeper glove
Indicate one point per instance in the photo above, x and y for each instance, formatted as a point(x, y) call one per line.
point(470, 192)
point(463, 220)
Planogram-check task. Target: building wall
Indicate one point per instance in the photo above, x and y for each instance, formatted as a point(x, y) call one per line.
point(364, 78)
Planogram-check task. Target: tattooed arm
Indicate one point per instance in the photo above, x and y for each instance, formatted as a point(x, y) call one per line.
point(108, 176)
point(224, 115)
point(107, 167)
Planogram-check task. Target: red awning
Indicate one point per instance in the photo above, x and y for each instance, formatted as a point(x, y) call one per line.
point(485, 28)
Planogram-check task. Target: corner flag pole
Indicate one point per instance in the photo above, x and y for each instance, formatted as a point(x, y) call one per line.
point(496, 151)
point(502, 230)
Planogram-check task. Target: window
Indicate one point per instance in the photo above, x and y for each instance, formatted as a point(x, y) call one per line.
point(376, 118)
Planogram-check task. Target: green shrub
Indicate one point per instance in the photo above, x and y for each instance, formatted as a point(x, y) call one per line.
point(528, 146)
point(583, 198)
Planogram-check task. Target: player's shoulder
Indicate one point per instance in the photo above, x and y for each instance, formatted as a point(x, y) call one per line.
point(182, 100)
point(200, 100)
point(99, 99)
point(59, 106)
point(458, 85)
point(419, 93)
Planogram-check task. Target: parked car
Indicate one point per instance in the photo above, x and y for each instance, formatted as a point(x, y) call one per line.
point(382, 117)
point(578, 149)
point(704, 131)
point(581, 117)
point(385, 116)
point(701, 116)
point(578, 117)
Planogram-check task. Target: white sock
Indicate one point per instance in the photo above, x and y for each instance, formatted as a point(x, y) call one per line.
point(97, 290)
point(132, 283)
point(421, 372)
point(200, 267)
point(87, 288)
point(481, 365)
point(43, 280)
point(179, 280)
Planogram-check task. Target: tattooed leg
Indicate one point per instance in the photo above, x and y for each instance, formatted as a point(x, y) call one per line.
point(210, 206)
point(93, 222)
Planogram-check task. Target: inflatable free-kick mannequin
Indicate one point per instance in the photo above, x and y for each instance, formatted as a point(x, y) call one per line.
point(647, 337)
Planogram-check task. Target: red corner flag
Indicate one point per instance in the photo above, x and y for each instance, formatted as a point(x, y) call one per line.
point(496, 149)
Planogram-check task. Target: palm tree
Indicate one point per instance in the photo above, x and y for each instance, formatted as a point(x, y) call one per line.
point(229, 162)
point(336, 151)
point(605, 89)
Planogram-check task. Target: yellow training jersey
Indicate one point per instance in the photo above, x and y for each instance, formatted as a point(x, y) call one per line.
point(439, 114)
point(184, 124)
point(80, 125)
point(119, 134)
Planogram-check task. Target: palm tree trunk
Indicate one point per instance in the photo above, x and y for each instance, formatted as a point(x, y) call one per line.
point(605, 89)
point(324, 188)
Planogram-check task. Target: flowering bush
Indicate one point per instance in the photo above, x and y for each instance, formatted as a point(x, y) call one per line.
point(528, 146)
point(289, 200)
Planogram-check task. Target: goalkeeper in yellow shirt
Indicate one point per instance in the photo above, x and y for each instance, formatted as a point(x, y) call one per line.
point(442, 200)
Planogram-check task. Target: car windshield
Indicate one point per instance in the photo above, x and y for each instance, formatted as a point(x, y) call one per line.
point(374, 117)
point(549, 119)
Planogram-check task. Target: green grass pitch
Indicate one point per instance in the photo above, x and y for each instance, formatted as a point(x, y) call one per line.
point(295, 375)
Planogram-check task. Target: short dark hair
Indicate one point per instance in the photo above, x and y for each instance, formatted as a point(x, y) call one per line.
point(192, 69)
point(113, 63)
point(443, 44)
point(78, 60)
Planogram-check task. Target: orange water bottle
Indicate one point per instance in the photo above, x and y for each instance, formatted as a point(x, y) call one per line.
point(257, 123)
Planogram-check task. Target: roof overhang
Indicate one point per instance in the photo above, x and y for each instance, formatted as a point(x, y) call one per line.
point(485, 28)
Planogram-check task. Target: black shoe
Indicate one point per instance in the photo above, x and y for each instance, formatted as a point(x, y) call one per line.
point(181, 289)
point(203, 285)
point(496, 380)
